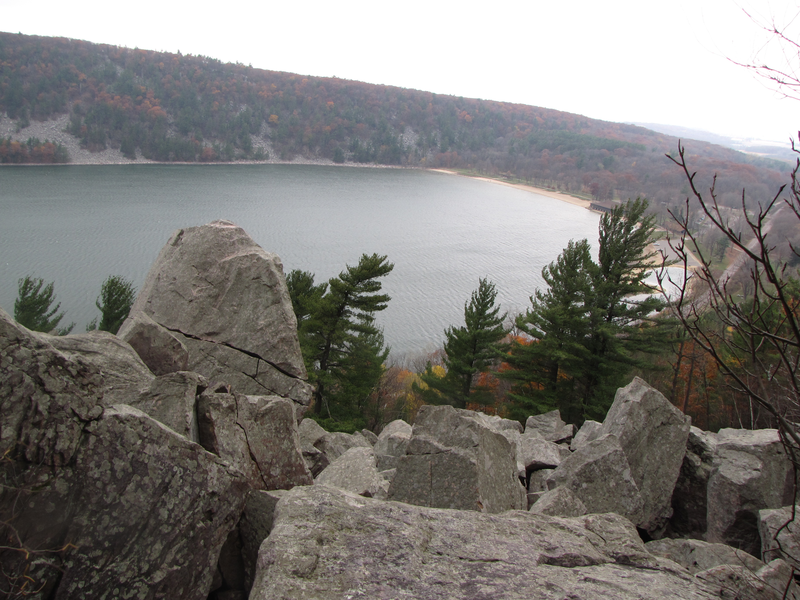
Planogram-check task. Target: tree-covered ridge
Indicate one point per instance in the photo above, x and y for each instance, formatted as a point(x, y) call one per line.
point(174, 107)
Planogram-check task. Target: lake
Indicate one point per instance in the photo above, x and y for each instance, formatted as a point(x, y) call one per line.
point(76, 225)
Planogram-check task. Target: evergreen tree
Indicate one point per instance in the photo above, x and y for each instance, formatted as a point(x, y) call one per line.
point(32, 308)
point(548, 362)
point(304, 293)
point(621, 327)
point(114, 302)
point(342, 347)
point(588, 330)
point(470, 350)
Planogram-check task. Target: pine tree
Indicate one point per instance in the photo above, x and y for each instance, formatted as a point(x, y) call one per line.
point(32, 308)
point(548, 362)
point(342, 347)
point(586, 331)
point(470, 349)
point(114, 302)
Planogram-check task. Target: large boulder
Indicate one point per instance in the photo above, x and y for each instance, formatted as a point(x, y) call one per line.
point(225, 299)
point(158, 348)
point(690, 496)
point(257, 434)
point(456, 461)
point(697, 555)
point(560, 502)
point(652, 433)
point(125, 376)
point(779, 529)
point(600, 476)
point(392, 444)
point(355, 471)
point(330, 544)
point(550, 427)
point(751, 472)
point(97, 498)
point(171, 399)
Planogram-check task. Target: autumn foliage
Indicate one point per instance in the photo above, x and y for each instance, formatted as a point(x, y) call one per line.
point(173, 107)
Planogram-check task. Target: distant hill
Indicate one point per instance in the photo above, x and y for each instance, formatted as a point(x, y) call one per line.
point(765, 148)
point(173, 107)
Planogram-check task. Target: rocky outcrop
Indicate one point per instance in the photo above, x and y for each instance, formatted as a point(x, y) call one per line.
point(560, 502)
point(124, 375)
point(653, 434)
point(327, 543)
point(225, 300)
point(550, 427)
point(392, 444)
point(257, 434)
point(82, 481)
point(599, 475)
point(158, 348)
point(590, 430)
point(355, 471)
point(456, 461)
point(779, 530)
point(750, 472)
point(172, 400)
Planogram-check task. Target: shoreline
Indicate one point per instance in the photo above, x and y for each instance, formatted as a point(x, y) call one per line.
point(574, 200)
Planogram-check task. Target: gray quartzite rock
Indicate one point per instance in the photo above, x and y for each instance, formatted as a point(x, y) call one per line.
point(310, 432)
point(590, 430)
point(750, 472)
point(329, 544)
point(225, 299)
point(124, 373)
point(255, 526)
point(738, 583)
point(560, 502)
point(130, 502)
point(550, 426)
point(536, 453)
point(697, 555)
point(172, 400)
point(652, 433)
point(690, 496)
point(454, 461)
point(392, 444)
point(257, 434)
point(158, 348)
point(336, 443)
point(370, 436)
point(394, 438)
point(600, 476)
point(780, 535)
point(355, 471)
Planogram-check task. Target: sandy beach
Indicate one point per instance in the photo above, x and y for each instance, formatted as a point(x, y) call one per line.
point(528, 188)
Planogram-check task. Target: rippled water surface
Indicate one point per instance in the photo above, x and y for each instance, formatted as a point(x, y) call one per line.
point(75, 225)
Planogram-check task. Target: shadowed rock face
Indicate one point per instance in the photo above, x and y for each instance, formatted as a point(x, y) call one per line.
point(327, 543)
point(100, 496)
point(224, 299)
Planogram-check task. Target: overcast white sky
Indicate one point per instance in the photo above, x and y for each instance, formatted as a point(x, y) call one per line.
point(619, 60)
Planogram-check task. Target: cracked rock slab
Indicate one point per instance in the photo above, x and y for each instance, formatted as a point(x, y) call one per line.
point(256, 434)
point(653, 435)
point(454, 460)
point(106, 497)
point(331, 544)
point(225, 299)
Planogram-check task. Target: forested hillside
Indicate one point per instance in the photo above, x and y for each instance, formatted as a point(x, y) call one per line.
point(172, 107)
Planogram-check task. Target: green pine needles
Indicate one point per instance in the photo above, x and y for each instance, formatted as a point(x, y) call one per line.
point(587, 330)
point(469, 350)
point(343, 349)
